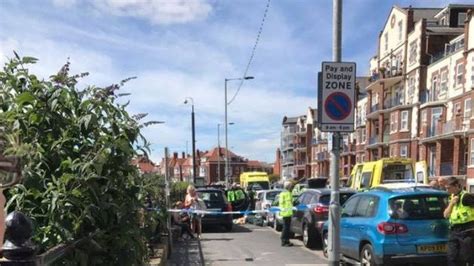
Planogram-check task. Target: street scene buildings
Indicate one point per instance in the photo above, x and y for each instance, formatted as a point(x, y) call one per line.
point(415, 102)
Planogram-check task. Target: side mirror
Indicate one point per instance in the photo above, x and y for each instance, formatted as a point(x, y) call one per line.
point(10, 172)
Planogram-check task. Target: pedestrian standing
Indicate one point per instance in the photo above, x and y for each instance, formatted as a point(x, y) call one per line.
point(192, 201)
point(460, 212)
point(286, 211)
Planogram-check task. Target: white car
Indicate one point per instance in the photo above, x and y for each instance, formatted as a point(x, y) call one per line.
point(264, 199)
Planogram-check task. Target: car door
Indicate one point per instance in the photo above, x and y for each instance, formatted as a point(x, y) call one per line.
point(359, 223)
point(348, 211)
point(298, 214)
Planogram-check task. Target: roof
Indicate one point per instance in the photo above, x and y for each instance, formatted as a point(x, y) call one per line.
point(290, 120)
point(406, 190)
point(213, 155)
point(328, 190)
point(420, 13)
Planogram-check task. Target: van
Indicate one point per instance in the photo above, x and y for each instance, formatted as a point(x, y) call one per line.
point(254, 181)
point(387, 171)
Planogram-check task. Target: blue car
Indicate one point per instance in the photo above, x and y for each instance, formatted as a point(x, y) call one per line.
point(393, 226)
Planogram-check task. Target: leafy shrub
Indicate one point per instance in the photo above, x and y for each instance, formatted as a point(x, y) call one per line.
point(76, 147)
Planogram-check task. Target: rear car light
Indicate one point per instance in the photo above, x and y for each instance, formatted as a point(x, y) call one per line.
point(392, 228)
point(321, 209)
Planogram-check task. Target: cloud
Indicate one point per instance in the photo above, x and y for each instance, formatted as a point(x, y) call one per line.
point(155, 11)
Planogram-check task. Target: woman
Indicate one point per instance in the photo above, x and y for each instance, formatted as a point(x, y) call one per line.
point(192, 201)
point(182, 220)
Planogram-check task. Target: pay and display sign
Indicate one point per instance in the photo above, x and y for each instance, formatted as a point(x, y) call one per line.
point(336, 96)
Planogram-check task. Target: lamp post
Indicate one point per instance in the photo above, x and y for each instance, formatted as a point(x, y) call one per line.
point(218, 152)
point(225, 125)
point(186, 101)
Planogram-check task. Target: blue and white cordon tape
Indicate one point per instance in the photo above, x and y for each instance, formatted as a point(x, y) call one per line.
point(217, 212)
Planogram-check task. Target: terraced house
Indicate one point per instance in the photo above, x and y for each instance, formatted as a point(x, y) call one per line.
point(417, 103)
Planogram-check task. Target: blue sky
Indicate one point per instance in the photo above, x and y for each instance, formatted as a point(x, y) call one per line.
point(186, 48)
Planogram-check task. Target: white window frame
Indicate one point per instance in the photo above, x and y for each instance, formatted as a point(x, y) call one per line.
point(434, 87)
point(403, 150)
point(386, 41)
point(472, 153)
point(467, 109)
point(400, 30)
point(412, 56)
point(461, 21)
point(411, 86)
point(404, 121)
point(443, 86)
point(459, 73)
point(393, 122)
point(363, 136)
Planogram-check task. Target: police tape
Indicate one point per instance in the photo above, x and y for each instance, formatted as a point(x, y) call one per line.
point(246, 212)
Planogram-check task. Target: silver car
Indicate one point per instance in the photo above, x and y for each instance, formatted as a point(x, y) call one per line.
point(264, 199)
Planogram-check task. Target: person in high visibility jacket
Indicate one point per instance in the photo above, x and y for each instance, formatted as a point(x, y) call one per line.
point(285, 203)
point(230, 196)
point(460, 212)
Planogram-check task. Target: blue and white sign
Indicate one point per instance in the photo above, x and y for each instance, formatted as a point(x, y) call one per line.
point(336, 97)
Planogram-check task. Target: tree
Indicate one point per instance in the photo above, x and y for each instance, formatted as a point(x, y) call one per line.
point(76, 147)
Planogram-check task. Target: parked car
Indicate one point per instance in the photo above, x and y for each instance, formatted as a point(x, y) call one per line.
point(400, 225)
point(273, 217)
point(309, 219)
point(215, 200)
point(264, 199)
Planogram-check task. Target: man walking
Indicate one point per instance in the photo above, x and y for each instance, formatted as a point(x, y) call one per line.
point(460, 212)
point(286, 211)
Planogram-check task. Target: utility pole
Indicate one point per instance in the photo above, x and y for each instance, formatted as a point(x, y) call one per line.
point(218, 152)
point(193, 136)
point(334, 207)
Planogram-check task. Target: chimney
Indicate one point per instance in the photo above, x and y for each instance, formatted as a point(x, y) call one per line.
point(175, 155)
point(183, 155)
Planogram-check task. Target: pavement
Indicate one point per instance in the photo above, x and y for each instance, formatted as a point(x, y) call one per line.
point(186, 252)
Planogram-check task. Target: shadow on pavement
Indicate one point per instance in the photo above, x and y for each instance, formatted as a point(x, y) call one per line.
point(186, 252)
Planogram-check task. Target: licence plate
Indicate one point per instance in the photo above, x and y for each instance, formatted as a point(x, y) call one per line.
point(426, 249)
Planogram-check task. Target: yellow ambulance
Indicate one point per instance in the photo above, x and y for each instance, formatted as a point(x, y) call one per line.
point(391, 172)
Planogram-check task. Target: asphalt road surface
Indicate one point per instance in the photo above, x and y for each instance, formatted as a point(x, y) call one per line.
point(245, 245)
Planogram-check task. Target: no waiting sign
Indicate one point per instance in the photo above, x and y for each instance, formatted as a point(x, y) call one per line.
point(336, 96)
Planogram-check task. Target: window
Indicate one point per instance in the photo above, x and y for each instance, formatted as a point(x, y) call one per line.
point(420, 207)
point(411, 87)
point(443, 21)
point(412, 56)
point(349, 207)
point(404, 123)
point(393, 122)
point(472, 152)
point(362, 158)
point(363, 135)
point(457, 108)
point(434, 88)
point(459, 73)
point(366, 206)
point(467, 109)
point(444, 82)
point(461, 18)
point(365, 180)
point(400, 30)
point(386, 41)
point(404, 150)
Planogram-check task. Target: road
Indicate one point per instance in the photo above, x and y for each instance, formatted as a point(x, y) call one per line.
point(245, 245)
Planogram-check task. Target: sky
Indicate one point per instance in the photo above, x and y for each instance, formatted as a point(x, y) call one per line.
point(187, 48)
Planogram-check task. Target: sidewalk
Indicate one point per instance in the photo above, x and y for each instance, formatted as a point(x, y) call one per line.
point(186, 252)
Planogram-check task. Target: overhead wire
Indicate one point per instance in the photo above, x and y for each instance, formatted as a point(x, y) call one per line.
point(252, 54)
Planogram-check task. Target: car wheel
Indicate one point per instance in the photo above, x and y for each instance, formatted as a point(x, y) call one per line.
point(325, 244)
point(228, 227)
point(367, 255)
point(308, 236)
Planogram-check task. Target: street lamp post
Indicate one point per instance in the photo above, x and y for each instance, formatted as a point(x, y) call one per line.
point(227, 172)
point(186, 101)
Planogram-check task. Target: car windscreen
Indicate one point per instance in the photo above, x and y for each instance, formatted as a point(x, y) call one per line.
point(419, 207)
point(325, 199)
point(211, 195)
point(272, 194)
point(259, 185)
point(392, 173)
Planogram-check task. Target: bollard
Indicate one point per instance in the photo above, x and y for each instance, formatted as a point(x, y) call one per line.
point(18, 248)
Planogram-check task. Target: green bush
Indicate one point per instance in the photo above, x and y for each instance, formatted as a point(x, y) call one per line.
point(76, 147)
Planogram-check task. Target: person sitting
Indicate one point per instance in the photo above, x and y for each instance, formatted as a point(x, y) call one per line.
point(182, 220)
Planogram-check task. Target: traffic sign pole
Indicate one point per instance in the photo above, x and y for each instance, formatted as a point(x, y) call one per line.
point(334, 206)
